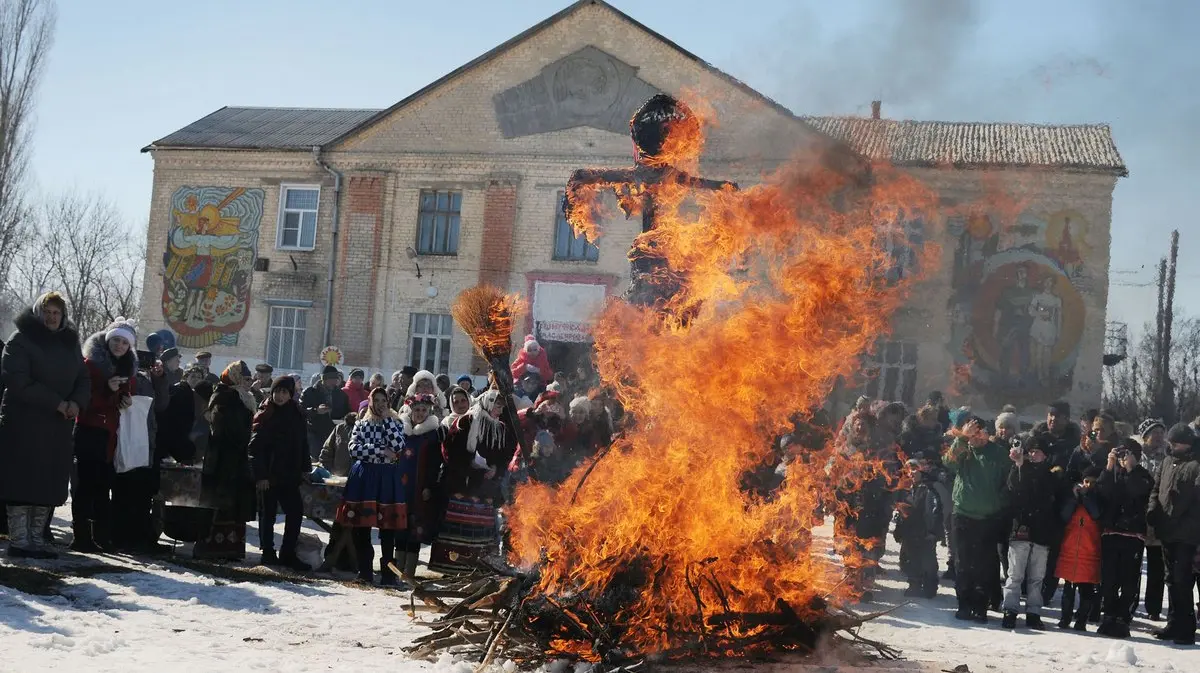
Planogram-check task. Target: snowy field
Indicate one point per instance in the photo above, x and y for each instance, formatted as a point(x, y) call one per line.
point(108, 613)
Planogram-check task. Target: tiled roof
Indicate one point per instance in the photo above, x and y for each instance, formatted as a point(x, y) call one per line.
point(920, 143)
point(266, 128)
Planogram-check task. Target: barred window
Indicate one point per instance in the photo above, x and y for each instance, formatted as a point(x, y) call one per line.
point(891, 372)
point(285, 337)
point(430, 338)
point(568, 246)
point(438, 222)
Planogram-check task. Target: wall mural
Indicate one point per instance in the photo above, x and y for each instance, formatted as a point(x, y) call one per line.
point(211, 249)
point(1017, 312)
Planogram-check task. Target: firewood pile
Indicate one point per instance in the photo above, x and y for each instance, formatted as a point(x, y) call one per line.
point(493, 615)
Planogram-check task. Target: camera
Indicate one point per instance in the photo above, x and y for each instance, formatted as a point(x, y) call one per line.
point(1016, 443)
point(1121, 453)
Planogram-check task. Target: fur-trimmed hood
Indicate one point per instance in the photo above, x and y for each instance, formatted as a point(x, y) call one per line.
point(34, 329)
point(96, 353)
point(428, 425)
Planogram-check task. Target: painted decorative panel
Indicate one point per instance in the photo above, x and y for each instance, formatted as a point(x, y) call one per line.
point(209, 263)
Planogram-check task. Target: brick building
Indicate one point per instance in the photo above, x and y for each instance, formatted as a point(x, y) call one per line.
point(275, 232)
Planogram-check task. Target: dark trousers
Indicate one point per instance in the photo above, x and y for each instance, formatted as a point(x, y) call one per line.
point(918, 561)
point(272, 500)
point(90, 501)
point(1087, 597)
point(1120, 568)
point(977, 564)
point(1181, 579)
point(132, 505)
point(1156, 580)
point(365, 551)
point(1050, 583)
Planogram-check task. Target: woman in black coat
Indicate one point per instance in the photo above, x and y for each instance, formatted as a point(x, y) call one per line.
point(227, 483)
point(46, 386)
point(279, 455)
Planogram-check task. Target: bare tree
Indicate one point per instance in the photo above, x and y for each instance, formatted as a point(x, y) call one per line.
point(26, 33)
point(81, 247)
point(1132, 391)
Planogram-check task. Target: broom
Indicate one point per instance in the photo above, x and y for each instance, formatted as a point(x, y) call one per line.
point(487, 315)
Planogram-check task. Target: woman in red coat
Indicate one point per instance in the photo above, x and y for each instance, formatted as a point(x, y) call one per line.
point(112, 367)
point(532, 360)
point(1079, 555)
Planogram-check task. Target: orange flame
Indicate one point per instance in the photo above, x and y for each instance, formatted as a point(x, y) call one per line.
point(488, 316)
point(784, 287)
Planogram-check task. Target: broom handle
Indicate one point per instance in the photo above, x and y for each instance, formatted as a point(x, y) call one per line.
point(503, 374)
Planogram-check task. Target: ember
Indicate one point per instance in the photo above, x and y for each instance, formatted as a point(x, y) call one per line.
point(750, 307)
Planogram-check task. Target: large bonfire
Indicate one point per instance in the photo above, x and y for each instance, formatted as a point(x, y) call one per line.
point(775, 292)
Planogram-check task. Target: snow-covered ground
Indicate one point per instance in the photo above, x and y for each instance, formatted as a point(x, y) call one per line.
point(105, 613)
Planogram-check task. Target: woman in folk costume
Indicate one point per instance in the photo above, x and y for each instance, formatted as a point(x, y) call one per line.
point(227, 481)
point(532, 359)
point(421, 468)
point(375, 492)
point(425, 383)
point(475, 455)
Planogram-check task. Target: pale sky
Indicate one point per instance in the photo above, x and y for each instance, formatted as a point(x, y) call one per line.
point(126, 72)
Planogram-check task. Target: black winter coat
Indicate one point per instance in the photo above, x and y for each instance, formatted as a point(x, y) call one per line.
point(279, 445)
point(1061, 446)
point(1174, 508)
point(920, 515)
point(227, 483)
point(175, 425)
point(1032, 499)
point(1080, 461)
point(1126, 497)
point(40, 369)
point(337, 401)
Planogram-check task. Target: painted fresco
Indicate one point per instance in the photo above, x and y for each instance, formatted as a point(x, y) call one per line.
point(1017, 311)
point(211, 249)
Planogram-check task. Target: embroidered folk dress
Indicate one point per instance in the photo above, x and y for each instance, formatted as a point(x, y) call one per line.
point(376, 492)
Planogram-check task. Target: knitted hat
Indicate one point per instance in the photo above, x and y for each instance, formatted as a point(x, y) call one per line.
point(1149, 425)
point(1008, 420)
point(1181, 433)
point(1131, 445)
point(464, 377)
point(330, 372)
point(124, 329)
point(153, 342)
point(358, 372)
point(285, 382)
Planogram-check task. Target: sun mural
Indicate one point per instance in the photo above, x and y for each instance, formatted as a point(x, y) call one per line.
point(212, 245)
point(1017, 314)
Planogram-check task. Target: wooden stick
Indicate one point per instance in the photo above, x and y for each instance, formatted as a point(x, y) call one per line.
point(491, 648)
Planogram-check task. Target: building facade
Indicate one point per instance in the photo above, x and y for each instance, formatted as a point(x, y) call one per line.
point(277, 232)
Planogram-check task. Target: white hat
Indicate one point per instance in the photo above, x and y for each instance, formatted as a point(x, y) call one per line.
point(125, 329)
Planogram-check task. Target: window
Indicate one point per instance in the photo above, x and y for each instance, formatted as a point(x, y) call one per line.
point(298, 218)
point(568, 246)
point(900, 240)
point(891, 372)
point(285, 337)
point(437, 226)
point(430, 342)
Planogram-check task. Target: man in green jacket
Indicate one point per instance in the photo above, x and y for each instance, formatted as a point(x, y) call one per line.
point(980, 467)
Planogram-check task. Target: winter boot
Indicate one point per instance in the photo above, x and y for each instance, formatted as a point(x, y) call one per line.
point(1009, 621)
point(387, 578)
point(1120, 629)
point(1106, 626)
point(410, 564)
point(1034, 623)
point(914, 590)
point(269, 558)
point(290, 560)
point(18, 532)
point(42, 549)
point(1081, 618)
point(929, 587)
point(84, 542)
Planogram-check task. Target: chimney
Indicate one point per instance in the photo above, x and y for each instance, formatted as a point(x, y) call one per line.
point(875, 105)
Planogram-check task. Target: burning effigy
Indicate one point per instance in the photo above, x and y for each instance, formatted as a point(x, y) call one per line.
point(745, 305)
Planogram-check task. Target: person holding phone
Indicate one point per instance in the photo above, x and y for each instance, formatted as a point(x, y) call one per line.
point(1125, 488)
point(112, 365)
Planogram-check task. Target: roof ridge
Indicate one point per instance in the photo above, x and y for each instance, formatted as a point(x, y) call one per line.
point(961, 123)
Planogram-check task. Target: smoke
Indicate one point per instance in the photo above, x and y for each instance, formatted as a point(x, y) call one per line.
point(899, 52)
